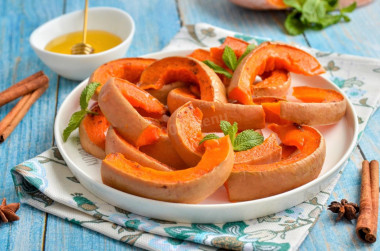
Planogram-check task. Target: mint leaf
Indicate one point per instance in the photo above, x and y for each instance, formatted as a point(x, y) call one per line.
point(247, 139)
point(74, 123)
point(293, 24)
point(296, 4)
point(229, 129)
point(87, 93)
point(249, 48)
point(225, 125)
point(217, 68)
point(314, 14)
point(229, 57)
point(349, 8)
point(208, 137)
point(232, 130)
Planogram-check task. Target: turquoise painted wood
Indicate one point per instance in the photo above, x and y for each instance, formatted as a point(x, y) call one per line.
point(157, 21)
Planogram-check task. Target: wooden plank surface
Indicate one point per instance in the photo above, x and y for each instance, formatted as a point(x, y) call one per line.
point(157, 21)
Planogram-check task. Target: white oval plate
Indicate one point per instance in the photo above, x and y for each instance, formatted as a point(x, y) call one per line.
point(340, 141)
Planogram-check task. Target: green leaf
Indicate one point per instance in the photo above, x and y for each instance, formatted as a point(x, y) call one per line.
point(296, 4)
point(208, 137)
point(346, 18)
point(217, 68)
point(225, 125)
point(229, 57)
point(293, 24)
point(349, 8)
point(329, 20)
point(232, 132)
point(249, 48)
point(74, 123)
point(247, 139)
point(87, 93)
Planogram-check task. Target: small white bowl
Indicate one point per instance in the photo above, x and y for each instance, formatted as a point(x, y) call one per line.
point(79, 67)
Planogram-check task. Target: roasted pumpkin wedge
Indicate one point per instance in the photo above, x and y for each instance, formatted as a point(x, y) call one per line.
point(268, 152)
point(272, 109)
point(123, 116)
point(126, 68)
point(250, 182)
point(318, 107)
point(185, 133)
point(275, 83)
point(191, 185)
point(267, 57)
point(247, 116)
point(116, 144)
point(187, 70)
point(92, 132)
point(163, 150)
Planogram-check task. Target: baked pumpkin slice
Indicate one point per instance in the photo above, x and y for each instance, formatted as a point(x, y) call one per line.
point(318, 107)
point(92, 132)
point(187, 70)
point(116, 144)
point(247, 116)
point(125, 68)
point(190, 185)
point(250, 182)
point(269, 56)
point(125, 105)
point(275, 83)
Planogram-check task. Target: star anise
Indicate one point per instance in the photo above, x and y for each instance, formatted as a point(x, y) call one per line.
point(344, 208)
point(8, 212)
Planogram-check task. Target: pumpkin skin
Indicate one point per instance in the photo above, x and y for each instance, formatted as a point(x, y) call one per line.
point(319, 106)
point(190, 185)
point(125, 68)
point(250, 182)
point(116, 144)
point(186, 70)
point(131, 125)
point(247, 116)
point(267, 57)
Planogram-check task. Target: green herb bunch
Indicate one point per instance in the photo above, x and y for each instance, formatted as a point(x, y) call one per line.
point(243, 141)
point(78, 116)
point(314, 14)
point(230, 60)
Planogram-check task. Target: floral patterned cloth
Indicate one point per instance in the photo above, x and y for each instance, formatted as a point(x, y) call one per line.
point(46, 183)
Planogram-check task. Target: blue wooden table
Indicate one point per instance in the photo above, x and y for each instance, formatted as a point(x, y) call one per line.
point(157, 21)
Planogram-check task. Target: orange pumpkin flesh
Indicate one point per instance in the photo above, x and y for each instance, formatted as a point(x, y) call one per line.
point(145, 104)
point(268, 152)
point(164, 151)
point(191, 185)
point(200, 55)
point(116, 144)
point(126, 68)
point(319, 106)
point(272, 109)
point(184, 130)
point(267, 57)
point(92, 132)
point(187, 70)
point(277, 84)
point(247, 116)
point(249, 182)
point(124, 117)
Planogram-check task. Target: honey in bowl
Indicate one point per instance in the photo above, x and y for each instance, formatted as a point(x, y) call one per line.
point(98, 39)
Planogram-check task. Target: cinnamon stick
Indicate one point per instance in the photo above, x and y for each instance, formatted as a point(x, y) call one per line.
point(12, 114)
point(21, 113)
point(23, 87)
point(366, 227)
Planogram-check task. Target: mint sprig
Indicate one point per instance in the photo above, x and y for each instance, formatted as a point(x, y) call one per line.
point(314, 14)
point(230, 60)
point(244, 141)
point(78, 116)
